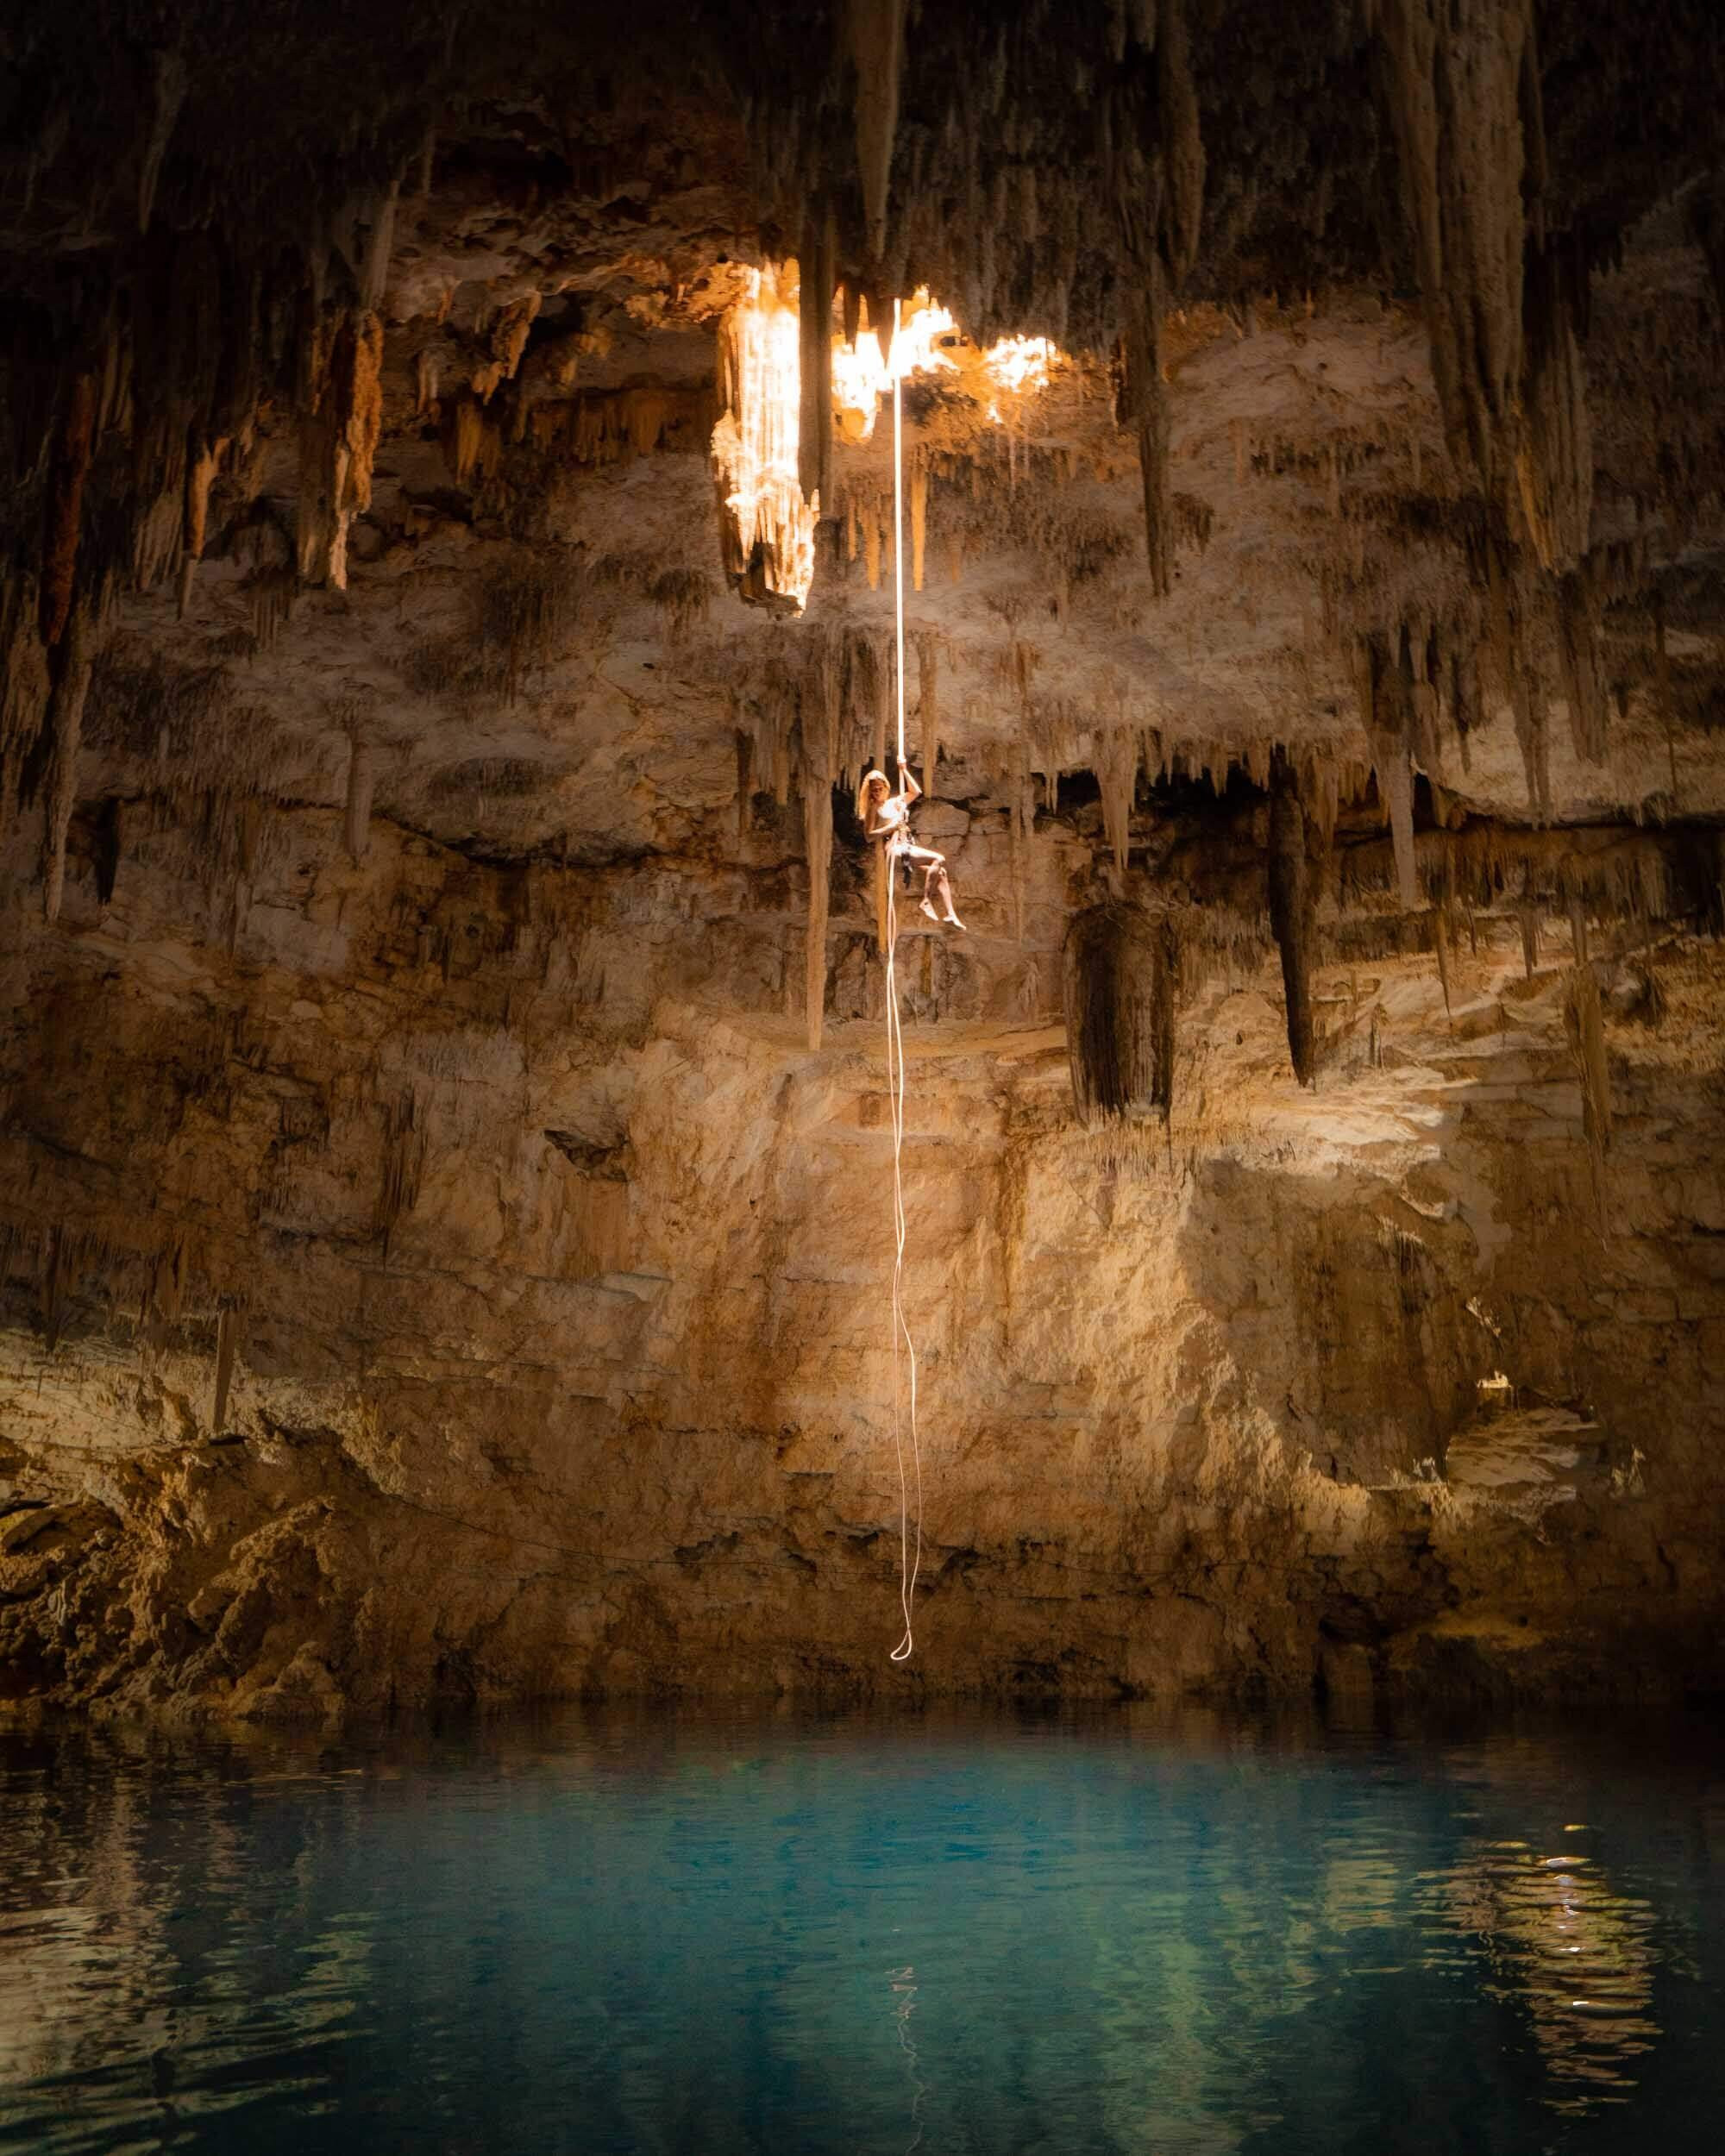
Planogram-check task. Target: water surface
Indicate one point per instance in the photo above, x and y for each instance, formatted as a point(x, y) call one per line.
point(676, 1933)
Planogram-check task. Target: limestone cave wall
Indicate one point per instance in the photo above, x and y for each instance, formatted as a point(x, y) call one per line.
point(556, 1269)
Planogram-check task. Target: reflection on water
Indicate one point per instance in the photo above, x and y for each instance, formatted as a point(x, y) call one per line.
point(1112, 1934)
point(95, 1942)
point(1579, 1958)
point(904, 1990)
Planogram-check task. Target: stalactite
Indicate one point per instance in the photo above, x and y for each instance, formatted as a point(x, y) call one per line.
point(506, 343)
point(467, 436)
point(1385, 711)
point(167, 86)
point(814, 323)
point(1163, 1009)
point(404, 1163)
point(1443, 944)
point(928, 703)
point(1716, 895)
point(605, 426)
point(1511, 601)
point(1020, 828)
point(65, 506)
point(273, 590)
point(156, 530)
point(1584, 1023)
point(776, 704)
point(1663, 704)
point(52, 1290)
point(1554, 457)
point(868, 680)
point(1505, 297)
point(227, 1328)
point(338, 442)
point(1116, 759)
point(1397, 773)
point(25, 687)
point(1182, 206)
point(1575, 621)
point(110, 841)
point(745, 780)
point(1121, 975)
point(66, 736)
point(820, 700)
point(766, 526)
point(1452, 82)
point(1293, 912)
point(918, 489)
point(200, 474)
point(1156, 179)
point(1143, 406)
point(1529, 712)
point(873, 32)
point(362, 779)
point(817, 792)
point(683, 597)
point(1528, 919)
point(1322, 797)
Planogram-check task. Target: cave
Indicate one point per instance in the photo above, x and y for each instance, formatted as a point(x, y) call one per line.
point(511, 1204)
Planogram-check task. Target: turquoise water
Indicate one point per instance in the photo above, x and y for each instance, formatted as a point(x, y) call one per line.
point(665, 1933)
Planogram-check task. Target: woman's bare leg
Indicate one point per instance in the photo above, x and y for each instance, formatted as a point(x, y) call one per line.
point(938, 883)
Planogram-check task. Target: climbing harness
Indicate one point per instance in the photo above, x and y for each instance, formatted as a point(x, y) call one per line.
point(904, 1348)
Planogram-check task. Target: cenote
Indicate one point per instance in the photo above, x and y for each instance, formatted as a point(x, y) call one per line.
point(1109, 1932)
point(861, 1076)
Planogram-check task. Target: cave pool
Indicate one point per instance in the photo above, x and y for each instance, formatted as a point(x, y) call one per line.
point(663, 1931)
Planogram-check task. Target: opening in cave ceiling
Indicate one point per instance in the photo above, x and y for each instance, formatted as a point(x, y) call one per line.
point(767, 521)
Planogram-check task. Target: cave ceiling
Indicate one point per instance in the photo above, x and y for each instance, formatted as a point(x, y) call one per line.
point(361, 367)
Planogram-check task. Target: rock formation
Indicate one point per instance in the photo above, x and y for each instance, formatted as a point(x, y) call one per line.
point(445, 1226)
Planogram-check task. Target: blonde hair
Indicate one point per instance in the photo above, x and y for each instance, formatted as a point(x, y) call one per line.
point(863, 802)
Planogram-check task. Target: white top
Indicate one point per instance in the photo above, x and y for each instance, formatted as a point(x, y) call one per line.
point(889, 816)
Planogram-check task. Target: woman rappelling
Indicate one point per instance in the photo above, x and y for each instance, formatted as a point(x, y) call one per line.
point(886, 815)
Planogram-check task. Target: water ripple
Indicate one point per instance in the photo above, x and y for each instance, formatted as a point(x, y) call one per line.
point(664, 1933)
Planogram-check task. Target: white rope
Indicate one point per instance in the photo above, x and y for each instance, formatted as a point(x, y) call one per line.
point(909, 1565)
point(899, 529)
point(910, 1562)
